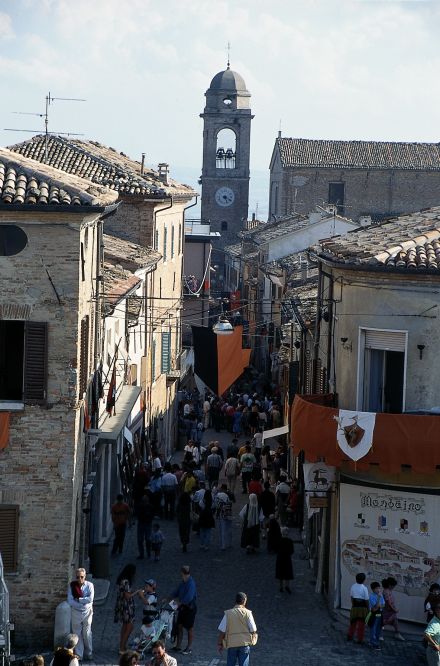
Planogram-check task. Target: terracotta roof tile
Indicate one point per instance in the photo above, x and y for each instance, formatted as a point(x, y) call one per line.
point(99, 164)
point(406, 242)
point(26, 182)
point(128, 255)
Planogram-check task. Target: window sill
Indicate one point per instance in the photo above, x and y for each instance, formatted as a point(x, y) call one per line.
point(11, 406)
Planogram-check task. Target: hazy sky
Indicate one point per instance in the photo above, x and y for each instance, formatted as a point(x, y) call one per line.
point(337, 69)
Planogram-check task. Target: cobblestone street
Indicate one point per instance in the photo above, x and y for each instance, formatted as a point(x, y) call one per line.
point(295, 629)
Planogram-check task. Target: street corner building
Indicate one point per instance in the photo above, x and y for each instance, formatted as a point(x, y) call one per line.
point(49, 230)
point(370, 437)
point(88, 364)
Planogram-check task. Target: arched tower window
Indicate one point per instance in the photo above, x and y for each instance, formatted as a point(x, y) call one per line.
point(226, 149)
point(224, 226)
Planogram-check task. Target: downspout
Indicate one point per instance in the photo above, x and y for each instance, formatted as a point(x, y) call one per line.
point(330, 335)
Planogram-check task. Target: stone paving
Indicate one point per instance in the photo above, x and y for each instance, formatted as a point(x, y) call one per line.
point(293, 629)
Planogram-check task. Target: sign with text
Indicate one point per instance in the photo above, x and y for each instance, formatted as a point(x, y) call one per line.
point(390, 533)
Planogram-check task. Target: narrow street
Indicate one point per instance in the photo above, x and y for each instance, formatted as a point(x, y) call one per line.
point(293, 629)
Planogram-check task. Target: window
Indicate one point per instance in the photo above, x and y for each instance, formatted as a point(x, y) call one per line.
point(23, 361)
point(165, 234)
point(225, 154)
point(84, 356)
point(12, 240)
point(153, 361)
point(224, 225)
point(9, 536)
point(180, 248)
point(336, 196)
point(382, 367)
point(172, 242)
point(165, 364)
point(156, 239)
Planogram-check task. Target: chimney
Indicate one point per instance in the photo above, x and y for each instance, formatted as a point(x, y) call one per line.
point(253, 217)
point(142, 164)
point(164, 171)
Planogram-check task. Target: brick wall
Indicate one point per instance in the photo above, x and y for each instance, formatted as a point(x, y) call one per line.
point(41, 468)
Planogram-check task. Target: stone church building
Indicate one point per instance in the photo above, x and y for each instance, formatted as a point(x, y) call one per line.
point(374, 179)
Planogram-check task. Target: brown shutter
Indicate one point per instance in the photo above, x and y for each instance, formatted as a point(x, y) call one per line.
point(9, 536)
point(84, 355)
point(35, 362)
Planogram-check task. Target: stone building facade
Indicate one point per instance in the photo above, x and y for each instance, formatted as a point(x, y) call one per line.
point(361, 178)
point(50, 227)
point(150, 214)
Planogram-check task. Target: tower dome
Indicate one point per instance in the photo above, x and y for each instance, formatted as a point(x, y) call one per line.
point(228, 81)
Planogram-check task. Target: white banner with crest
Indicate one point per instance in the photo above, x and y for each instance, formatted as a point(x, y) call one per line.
point(355, 432)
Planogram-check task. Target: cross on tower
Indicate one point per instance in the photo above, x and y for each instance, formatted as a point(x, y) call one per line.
point(229, 54)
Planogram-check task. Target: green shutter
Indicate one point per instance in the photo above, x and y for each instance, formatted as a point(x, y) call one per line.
point(153, 361)
point(165, 234)
point(165, 352)
point(172, 241)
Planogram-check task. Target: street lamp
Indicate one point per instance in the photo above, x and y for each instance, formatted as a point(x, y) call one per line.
point(223, 326)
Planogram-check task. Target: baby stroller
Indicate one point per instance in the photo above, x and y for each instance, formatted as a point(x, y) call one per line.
point(157, 625)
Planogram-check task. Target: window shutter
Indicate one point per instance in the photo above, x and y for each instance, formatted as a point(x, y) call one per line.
point(165, 234)
point(165, 358)
point(386, 340)
point(153, 361)
point(84, 355)
point(35, 362)
point(9, 536)
point(172, 241)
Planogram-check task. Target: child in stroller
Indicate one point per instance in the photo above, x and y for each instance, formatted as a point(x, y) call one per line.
point(157, 623)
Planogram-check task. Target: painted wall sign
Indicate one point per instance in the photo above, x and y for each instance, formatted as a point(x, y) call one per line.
point(390, 533)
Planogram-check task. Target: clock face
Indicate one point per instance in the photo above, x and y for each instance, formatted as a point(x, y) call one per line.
point(224, 196)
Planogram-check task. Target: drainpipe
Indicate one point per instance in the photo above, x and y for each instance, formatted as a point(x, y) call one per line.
point(317, 331)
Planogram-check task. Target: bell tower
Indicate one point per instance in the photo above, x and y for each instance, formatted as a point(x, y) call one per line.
point(226, 152)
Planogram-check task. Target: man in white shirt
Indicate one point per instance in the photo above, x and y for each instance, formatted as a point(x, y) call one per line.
point(258, 443)
point(237, 632)
point(169, 489)
point(80, 597)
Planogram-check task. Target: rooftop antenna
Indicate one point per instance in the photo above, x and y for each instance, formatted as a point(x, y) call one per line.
point(49, 100)
point(229, 56)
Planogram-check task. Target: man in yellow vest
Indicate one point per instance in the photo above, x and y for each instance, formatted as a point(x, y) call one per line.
point(237, 632)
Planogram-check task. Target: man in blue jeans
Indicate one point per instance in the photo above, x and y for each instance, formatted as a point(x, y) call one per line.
point(237, 632)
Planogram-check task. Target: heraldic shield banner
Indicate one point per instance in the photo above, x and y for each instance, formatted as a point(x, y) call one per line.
point(355, 432)
point(388, 532)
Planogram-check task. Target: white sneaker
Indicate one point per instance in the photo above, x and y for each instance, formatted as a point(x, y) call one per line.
point(399, 637)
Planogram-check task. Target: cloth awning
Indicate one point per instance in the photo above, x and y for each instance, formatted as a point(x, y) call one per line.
point(398, 439)
point(125, 401)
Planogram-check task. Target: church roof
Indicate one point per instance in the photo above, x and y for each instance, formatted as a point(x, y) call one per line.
point(228, 81)
point(320, 153)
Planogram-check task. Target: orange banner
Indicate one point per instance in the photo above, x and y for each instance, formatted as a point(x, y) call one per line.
point(4, 429)
point(399, 439)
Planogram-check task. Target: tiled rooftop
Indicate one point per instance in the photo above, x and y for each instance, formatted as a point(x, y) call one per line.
point(409, 242)
point(317, 153)
point(26, 182)
point(127, 255)
point(99, 164)
point(118, 282)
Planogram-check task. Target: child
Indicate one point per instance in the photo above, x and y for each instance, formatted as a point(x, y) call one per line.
point(149, 598)
point(156, 541)
point(377, 604)
point(359, 608)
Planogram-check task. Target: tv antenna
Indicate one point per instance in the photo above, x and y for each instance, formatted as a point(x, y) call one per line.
point(49, 100)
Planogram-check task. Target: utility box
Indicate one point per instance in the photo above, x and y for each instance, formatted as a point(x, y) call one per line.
point(100, 560)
